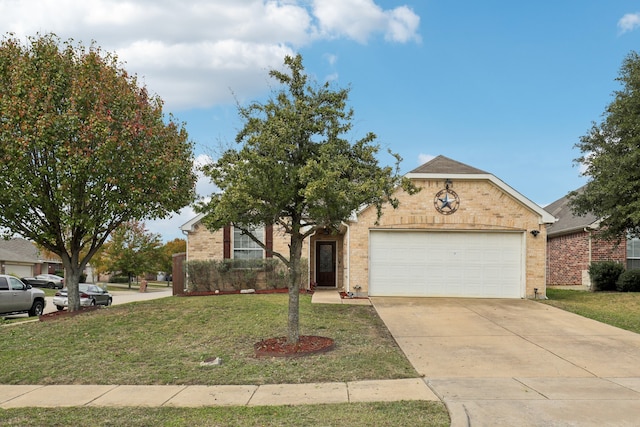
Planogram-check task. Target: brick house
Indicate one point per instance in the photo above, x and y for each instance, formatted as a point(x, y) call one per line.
point(465, 234)
point(573, 245)
point(19, 257)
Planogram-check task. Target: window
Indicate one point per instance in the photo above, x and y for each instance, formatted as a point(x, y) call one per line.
point(4, 285)
point(15, 284)
point(633, 253)
point(244, 247)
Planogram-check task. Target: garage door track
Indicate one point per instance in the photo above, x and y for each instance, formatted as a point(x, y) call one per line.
point(511, 362)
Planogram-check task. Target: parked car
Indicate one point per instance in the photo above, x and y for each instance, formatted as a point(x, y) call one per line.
point(17, 297)
point(89, 295)
point(45, 281)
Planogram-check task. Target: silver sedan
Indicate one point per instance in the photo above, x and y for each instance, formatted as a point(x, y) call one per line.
point(90, 295)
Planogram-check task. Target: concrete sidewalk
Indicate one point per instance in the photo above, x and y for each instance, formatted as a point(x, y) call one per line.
point(20, 396)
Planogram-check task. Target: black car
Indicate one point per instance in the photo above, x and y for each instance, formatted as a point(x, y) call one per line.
point(45, 281)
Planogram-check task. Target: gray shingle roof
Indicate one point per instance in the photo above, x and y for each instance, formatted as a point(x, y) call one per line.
point(442, 164)
point(18, 250)
point(567, 221)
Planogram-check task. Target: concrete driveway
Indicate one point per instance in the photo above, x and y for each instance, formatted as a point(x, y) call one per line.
point(518, 362)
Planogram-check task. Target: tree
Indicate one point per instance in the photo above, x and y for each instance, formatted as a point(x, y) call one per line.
point(132, 250)
point(611, 155)
point(296, 170)
point(83, 149)
point(175, 246)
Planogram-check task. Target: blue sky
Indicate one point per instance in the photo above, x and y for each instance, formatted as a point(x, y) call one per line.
point(507, 87)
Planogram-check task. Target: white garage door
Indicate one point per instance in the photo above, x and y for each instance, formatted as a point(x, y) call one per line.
point(461, 264)
point(18, 270)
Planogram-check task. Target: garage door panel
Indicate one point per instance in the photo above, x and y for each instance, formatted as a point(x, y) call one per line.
point(445, 264)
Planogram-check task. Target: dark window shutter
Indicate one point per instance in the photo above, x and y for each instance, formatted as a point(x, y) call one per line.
point(226, 236)
point(268, 240)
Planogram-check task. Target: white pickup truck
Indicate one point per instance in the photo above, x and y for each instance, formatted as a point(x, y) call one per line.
point(17, 298)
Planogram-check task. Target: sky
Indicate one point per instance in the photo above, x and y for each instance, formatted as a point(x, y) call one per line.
point(504, 86)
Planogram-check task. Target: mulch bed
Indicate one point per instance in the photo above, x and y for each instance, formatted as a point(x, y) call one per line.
point(307, 345)
point(60, 314)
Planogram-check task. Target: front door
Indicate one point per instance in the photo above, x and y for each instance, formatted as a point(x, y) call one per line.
point(326, 264)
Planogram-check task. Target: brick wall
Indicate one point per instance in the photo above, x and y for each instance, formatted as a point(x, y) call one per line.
point(568, 256)
point(483, 206)
point(203, 244)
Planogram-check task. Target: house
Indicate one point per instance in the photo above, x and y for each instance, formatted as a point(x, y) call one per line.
point(572, 245)
point(19, 257)
point(465, 234)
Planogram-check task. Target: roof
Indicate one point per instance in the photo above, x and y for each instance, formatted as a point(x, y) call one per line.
point(443, 167)
point(568, 222)
point(189, 225)
point(442, 164)
point(18, 250)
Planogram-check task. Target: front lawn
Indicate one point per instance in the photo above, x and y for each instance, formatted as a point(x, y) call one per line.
point(163, 342)
point(621, 309)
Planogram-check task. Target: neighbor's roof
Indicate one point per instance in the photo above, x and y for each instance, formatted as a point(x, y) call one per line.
point(18, 250)
point(567, 221)
point(443, 167)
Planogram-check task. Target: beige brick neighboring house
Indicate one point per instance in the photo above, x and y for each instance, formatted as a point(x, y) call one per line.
point(465, 234)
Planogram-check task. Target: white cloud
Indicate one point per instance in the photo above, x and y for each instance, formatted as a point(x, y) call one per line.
point(193, 53)
point(424, 158)
point(629, 22)
point(359, 19)
point(402, 25)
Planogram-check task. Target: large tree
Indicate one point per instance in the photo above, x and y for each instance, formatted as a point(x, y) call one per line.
point(133, 250)
point(610, 153)
point(83, 148)
point(295, 169)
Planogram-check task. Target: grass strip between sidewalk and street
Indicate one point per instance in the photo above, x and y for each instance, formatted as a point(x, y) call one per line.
point(406, 414)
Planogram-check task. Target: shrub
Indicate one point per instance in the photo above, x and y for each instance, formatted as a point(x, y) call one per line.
point(119, 279)
point(604, 275)
point(237, 274)
point(629, 281)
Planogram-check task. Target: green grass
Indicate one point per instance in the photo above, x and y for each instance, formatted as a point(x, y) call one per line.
point(163, 342)
point(406, 414)
point(621, 309)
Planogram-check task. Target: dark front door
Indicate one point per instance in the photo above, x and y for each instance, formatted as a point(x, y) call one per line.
point(326, 264)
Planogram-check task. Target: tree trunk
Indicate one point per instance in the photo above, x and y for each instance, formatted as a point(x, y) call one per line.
point(72, 272)
point(293, 324)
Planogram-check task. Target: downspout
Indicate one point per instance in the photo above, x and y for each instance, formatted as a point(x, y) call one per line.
point(186, 264)
point(309, 278)
point(588, 231)
point(347, 263)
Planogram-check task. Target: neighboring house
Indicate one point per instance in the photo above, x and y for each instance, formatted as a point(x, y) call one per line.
point(19, 257)
point(465, 234)
point(572, 245)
